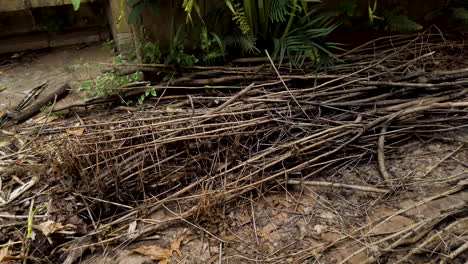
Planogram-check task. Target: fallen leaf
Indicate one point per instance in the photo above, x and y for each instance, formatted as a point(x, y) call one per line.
point(49, 227)
point(3, 253)
point(5, 257)
point(175, 245)
point(43, 117)
point(159, 253)
point(155, 253)
point(269, 228)
point(76, 132)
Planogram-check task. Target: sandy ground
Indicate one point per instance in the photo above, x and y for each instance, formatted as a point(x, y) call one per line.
point(21, 72)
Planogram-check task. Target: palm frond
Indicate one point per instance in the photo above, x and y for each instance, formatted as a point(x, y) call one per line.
point(247, 43)
point(279, 10)
point(305, 41)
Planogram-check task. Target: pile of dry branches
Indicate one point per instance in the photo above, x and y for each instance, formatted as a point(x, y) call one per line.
point(192, 153)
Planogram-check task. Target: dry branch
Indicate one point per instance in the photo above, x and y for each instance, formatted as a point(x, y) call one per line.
point(193, 152)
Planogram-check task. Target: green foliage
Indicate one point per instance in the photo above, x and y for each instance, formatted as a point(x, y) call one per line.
point(238, 15)
point(107, 84)
point(262, 25)
point(137, 7)
point(76, 4)
point(245, 42)
point(460, 13)
point(278, 10)
point(148, 93)
point(109, 45)
point(151, 52)
point(304, 41)
point(177, 55)
point(211, 45)
point(188, 6)
point(45, 107)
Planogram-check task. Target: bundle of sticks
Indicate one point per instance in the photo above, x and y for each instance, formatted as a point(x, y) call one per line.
point(199, 150)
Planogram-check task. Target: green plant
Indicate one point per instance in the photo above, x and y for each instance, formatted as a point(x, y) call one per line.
point(301, 43)
point(151, 52)
point(76, 4)
point(149, 92)
point(107, 84)
point(292, 28)
point(109, 45)
point(211, 45)
point(137, 7)
point(45, 107)
point(176, 54)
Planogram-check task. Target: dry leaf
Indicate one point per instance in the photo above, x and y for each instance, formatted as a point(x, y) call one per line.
point(155, 253)
point(175, 245)
point(43, 117)
point(4, 256)
point(159, 253)
point(49, 227)
point(76, 132)
point(3, 253)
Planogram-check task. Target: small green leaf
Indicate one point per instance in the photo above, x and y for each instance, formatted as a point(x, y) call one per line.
point(141, 99)
point(76, 4)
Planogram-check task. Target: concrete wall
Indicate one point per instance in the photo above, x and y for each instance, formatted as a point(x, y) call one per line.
point(18, 5)
point(38, 24)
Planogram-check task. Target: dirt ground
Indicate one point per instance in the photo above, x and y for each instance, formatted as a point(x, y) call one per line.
point(21, 72)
